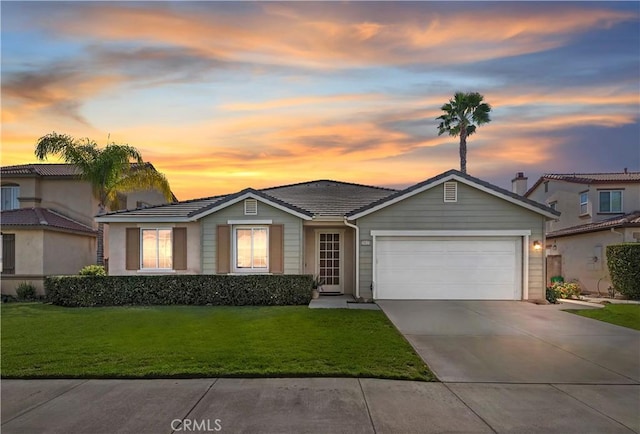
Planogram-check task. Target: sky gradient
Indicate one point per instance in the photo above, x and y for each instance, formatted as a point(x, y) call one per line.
point(223, 96)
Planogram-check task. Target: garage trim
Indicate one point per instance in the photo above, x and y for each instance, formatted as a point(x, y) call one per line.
point(525, 234)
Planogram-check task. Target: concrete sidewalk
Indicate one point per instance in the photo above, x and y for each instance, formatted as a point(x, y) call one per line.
point(313, 405)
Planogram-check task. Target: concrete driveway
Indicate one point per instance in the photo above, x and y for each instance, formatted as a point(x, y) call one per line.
point(524, 367)
point(516, 342)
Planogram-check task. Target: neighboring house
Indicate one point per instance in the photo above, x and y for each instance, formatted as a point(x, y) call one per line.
point(597, 209)
point(47, 222)
point(450, 237)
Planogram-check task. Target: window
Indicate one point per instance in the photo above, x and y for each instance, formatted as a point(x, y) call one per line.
point(553, 205)
point(451, 191)
point(8, 259)
point(157, 249)
point(584, 203)
point(10, 195)
point(250, 207)
point(251, 249)
point(610, 201)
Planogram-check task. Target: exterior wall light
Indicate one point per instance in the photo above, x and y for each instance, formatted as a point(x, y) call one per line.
point(537, 245)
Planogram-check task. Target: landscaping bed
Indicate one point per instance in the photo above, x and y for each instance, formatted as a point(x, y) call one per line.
point(46, 341)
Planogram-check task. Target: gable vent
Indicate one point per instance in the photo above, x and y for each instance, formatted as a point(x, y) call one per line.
point(451, 191)
point(250, 207)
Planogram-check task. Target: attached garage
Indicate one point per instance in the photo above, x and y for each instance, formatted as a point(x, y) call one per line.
point(449, 267)
point(452, 237)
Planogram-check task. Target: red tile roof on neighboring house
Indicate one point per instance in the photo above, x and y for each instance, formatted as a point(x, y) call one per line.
point(588, 178)
point(41, 170)
point(41, 218)
point(624, 221)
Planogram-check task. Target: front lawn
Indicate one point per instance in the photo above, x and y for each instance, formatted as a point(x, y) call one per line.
point(201, 341)
point(625, 315)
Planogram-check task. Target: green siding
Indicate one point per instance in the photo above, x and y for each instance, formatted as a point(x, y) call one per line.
point(474, 210)
point(292, 234)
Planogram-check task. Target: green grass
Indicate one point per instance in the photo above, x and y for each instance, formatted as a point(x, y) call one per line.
point(625, 315)
point(45, 341)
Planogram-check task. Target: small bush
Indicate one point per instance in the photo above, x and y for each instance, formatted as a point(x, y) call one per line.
point(219, 290)
point(551, 296)
point(26, 292)
point(562, 290)
point(623, 261)
point(93, 270)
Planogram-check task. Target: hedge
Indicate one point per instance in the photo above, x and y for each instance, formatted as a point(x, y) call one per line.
point(229, 290)
point(623, 261)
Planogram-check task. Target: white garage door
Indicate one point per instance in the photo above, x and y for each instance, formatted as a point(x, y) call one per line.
point(454, 268)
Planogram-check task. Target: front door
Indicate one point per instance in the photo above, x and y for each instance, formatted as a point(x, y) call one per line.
point(329, 264)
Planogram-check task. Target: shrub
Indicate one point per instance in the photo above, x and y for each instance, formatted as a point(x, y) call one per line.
point(93, 270)
point(623, 261)
point(266, 290)
point(551, 296)
point(562, 290)
point(26, 292)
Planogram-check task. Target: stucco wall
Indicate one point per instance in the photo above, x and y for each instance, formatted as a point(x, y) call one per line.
point(118, 251)
point(293, 236)
point(567, 196)
point(474, 210)
point(66, 253)
point(70, 197)
point(29, 265)
point(584, 256)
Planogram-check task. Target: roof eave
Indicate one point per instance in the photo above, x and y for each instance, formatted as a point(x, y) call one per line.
point(411, 191)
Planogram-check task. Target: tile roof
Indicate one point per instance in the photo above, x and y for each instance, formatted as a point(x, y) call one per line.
point(314, 198)
point(41, 170)
point(627, 220)
point(474, 180)
point(41, 218)
point(322, 198)
point(588, 178)
point(328, 198)
point(46, 169)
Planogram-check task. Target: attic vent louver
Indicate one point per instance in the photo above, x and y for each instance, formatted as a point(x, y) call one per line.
point(451, 191)
point(250, 207)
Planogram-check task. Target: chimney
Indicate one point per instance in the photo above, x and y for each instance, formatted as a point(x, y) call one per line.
point(519, 184)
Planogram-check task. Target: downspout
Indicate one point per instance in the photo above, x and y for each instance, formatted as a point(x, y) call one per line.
point(357, 237)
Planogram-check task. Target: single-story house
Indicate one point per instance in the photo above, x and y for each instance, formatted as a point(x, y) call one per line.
point(453, 236)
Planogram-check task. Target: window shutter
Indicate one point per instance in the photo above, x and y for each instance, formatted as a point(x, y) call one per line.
point(276, 249)
point(223, 249)
point(9, 253)
point(451, 191)
point(133, 249)
point(179, 248)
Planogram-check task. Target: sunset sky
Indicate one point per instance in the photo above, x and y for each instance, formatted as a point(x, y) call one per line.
point(223, 96)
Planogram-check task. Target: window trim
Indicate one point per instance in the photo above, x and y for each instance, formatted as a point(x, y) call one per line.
point(234, 252)
point(15, 199)
point(611, 211)
point(144, 269)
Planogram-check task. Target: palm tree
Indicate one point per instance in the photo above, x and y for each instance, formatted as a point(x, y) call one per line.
point(109, 170)
point(461, 115)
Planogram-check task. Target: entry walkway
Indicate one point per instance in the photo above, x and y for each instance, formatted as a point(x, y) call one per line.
point(340, 302)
